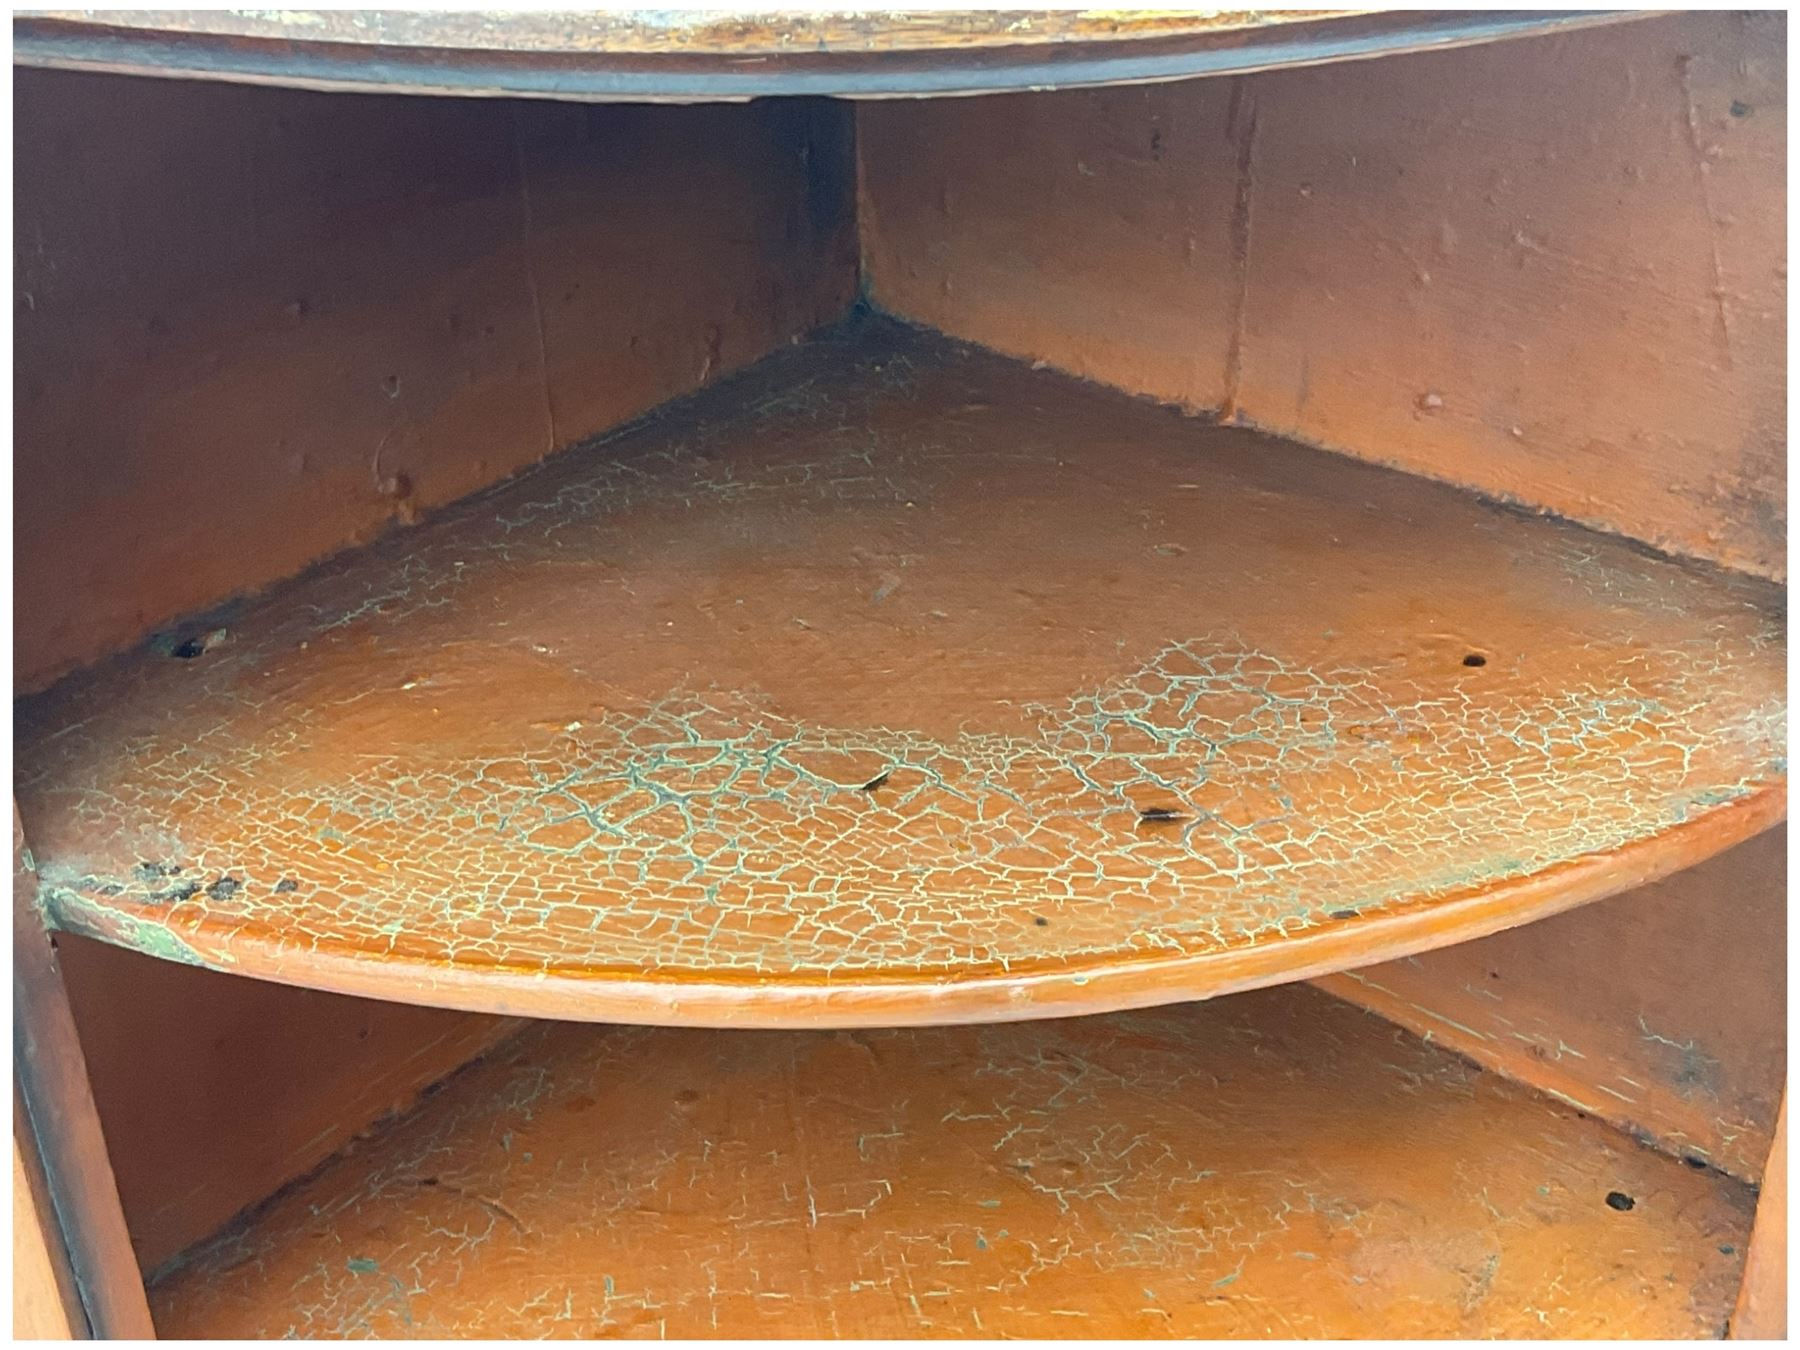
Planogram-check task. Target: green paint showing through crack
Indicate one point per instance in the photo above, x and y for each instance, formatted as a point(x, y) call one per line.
point(683, 818)
point(1232, 785)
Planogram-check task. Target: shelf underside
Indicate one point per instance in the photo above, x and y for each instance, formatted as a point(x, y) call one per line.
point(892, 681)
point(1277, 1164)
point(695, 55)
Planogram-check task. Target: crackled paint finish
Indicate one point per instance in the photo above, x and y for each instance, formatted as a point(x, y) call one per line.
point(1273, 1164)
point(896, 681)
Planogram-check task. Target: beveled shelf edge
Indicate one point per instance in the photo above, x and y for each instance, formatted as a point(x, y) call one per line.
point(919, 1001)
point(533, 66)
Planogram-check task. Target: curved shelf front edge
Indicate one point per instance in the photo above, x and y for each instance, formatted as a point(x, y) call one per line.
point(554, 58)
point(896, 1001)
point(759, 713)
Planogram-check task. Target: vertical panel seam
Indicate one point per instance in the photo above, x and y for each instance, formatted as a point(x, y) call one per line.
point(527, 235)
point(1702, 174)
point(1240, 121)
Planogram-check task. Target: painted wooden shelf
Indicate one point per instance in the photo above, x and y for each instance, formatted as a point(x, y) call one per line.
point(1276, 1164)
point(895, 682)
point(689, 55)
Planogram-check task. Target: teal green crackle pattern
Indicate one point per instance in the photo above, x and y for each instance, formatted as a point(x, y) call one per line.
point(1216, 797)
point(765, 687)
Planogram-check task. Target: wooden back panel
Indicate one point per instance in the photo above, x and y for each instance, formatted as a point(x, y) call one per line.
point(1552, 270)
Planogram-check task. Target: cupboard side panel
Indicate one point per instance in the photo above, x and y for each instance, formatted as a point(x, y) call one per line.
point(1550, 270)
point(256, 326)
point(1761, 1313)
point(46, 1306)
point(215, 1091)
point(1663, 1011)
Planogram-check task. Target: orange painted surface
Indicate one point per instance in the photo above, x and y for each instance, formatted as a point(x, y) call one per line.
point(1763, 1298)
point(1092, 230)
point(256, 326)
point(1276, 1164)
point(764, 712)
point(65, 1155)
point(215, 1091)
point(1552, 270)
point(1663, 1011)
point(45, 1304)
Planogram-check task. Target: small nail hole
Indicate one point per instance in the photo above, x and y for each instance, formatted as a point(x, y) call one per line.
point(1620, 1201)
point(198, 645)
point(1474, 659)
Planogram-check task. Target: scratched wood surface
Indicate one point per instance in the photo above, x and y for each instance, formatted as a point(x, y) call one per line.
point(900, 682)
point(1278, 1163)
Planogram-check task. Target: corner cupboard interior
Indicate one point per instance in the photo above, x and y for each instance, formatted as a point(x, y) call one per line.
point(965, 634)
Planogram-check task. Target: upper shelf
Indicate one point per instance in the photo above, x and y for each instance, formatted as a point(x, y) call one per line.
point(895, 682)
point(701, 55)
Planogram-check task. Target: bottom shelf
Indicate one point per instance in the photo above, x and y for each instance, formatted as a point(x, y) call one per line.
point(1271, 1164)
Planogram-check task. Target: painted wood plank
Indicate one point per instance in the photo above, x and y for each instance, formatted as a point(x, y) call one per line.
point(895, 681)
point(1276, 1164)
